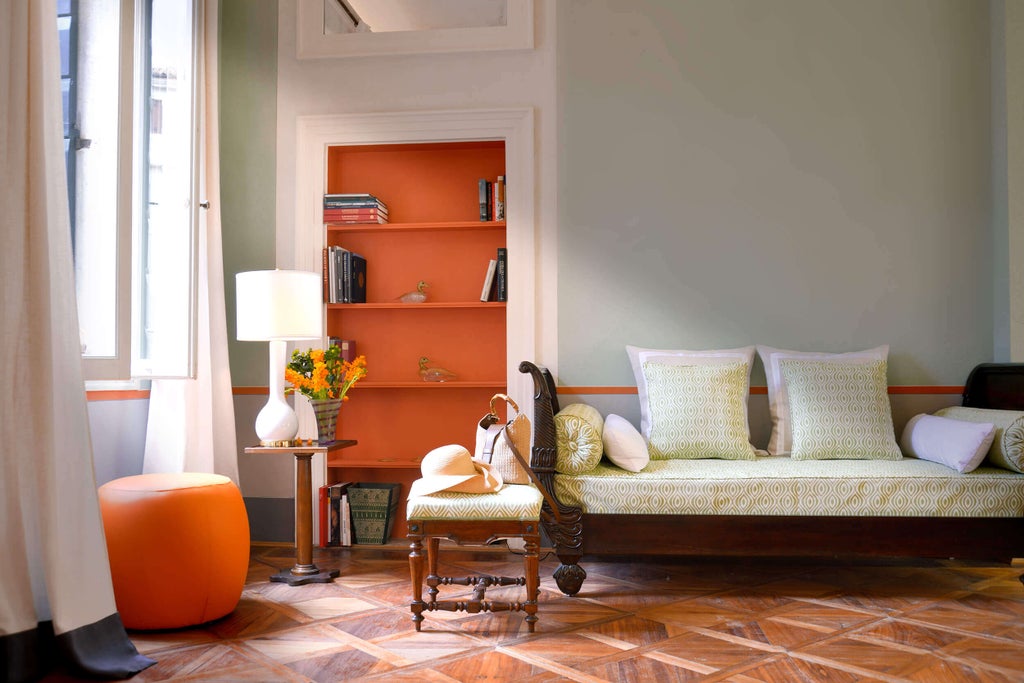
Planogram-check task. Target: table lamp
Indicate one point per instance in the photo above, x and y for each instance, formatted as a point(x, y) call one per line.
point(278, 306)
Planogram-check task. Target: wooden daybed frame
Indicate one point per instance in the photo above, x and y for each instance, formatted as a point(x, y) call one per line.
point(574, 534)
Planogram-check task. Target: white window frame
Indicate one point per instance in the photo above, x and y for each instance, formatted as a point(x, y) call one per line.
point(126, 368)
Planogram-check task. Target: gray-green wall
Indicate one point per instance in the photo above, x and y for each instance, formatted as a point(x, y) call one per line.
point(797, 173)
point(248, 143)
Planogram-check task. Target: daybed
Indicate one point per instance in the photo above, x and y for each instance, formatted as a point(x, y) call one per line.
point(777, 506)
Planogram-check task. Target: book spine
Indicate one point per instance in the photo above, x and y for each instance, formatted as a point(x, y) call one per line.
point(350, 208)
point(322, 505)
point(346, 277)
point(499, 198)
point(501, 276)
point(352, 220)
point(346, 346)
point(485, 293)
point(330, 214)
point(339, 274)
point(332, 275)
point(357, 279)
point(346, 521)
point(326, 271)
point(331, 205)
point(482, 186)
point(334, 501)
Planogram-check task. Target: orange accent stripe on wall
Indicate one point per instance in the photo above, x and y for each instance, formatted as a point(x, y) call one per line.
point(905, 389)
point(118, 395)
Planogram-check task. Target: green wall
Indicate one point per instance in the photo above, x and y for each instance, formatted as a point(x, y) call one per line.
point(801, 174)
point(248, 144)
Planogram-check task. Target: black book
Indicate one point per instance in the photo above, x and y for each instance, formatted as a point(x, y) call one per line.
point(357, 279)
point(501, 275)
point(485, 199)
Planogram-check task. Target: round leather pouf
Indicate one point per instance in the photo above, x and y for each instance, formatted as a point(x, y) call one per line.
point(178, 547)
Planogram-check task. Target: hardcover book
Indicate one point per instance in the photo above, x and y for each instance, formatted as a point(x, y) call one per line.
point(501, 275)
point(357, 279)
point(485, 293)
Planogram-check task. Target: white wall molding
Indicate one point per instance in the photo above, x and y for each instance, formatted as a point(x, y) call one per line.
point(312, 42)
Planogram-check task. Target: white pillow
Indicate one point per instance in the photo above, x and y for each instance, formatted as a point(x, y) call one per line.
point(638, 356)
point(953, 443)
point(624, 445)
point(781, 442)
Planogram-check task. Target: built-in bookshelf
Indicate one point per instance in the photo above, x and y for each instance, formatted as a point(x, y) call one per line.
point(433, 234)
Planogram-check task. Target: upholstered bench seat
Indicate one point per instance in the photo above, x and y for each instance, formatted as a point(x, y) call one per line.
point(513, 502)
point(778, 485)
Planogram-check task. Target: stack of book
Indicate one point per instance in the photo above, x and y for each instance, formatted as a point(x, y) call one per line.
point(344, 276)
point(335, 515)
point(354, 208)
point(492, 199)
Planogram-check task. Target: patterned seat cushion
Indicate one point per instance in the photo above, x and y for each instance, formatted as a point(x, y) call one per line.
point(512, 502)
point(778, 485)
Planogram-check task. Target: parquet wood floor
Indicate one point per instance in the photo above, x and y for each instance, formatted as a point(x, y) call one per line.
point(746, 621)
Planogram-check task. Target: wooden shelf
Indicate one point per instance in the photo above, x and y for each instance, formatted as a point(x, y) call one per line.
point(485, 384)
point(392, 305)
point(436, 226)
point(435, 235)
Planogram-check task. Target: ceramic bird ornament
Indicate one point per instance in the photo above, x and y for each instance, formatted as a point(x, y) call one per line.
point(434, 374)
point(417, 296)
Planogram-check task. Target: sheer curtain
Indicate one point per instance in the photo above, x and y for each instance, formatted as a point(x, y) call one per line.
point(56, 597)
point(192, 421)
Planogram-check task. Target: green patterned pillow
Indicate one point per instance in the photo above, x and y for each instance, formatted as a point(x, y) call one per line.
point(698, 411)
point(578, 431)
point(840, 410)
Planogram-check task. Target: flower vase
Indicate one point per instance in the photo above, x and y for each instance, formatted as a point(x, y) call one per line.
point(326, 411)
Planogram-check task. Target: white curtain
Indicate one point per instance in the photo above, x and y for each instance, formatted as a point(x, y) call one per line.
point(56, 596)
point(192, 421)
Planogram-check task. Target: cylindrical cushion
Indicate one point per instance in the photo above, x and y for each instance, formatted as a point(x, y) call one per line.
point(178, 547)
point(1007, 449)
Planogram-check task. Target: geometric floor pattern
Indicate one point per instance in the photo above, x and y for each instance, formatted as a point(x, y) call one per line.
point(744, 621)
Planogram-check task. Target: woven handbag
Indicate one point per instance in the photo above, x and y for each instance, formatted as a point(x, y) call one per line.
point(493, 449)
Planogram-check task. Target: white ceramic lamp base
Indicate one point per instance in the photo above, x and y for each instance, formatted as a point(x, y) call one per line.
point(277, 421)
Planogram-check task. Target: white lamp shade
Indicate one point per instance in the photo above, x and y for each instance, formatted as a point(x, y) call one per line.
point(278, 305)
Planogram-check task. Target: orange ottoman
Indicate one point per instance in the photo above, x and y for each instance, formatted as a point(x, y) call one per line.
point(178, 547)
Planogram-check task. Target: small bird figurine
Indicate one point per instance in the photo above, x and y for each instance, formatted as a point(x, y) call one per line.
point(434, 374)
point(417, 296)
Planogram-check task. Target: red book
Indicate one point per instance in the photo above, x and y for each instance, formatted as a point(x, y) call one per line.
point(323, 503)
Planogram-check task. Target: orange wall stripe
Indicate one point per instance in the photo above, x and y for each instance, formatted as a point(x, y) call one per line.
point(118, 395)
point(907, 389)
point(127, 395)
point(251, 391)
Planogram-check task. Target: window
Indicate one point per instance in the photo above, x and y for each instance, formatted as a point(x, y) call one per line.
point(130, 143)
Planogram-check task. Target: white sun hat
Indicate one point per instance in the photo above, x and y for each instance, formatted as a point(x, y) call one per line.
point(452, 468)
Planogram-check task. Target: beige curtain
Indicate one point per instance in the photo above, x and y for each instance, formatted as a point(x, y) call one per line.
point(57, 604)
point(192, 421)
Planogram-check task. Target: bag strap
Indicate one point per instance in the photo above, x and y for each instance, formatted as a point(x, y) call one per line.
point(489, 440)
point(533, 476)
point(508, 400)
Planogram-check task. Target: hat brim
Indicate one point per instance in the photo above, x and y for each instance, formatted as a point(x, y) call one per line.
point(486, 480)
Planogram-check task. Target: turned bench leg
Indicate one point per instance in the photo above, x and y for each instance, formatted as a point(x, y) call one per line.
point(416, 572)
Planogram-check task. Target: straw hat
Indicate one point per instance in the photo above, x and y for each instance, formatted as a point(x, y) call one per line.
point(452, 468)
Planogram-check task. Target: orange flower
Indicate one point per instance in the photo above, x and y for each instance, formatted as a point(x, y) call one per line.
point(320, 373)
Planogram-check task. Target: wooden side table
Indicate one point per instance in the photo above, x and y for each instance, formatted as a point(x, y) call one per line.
point(304, 571)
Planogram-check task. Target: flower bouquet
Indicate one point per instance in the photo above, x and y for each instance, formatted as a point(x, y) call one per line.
point(324, 378)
